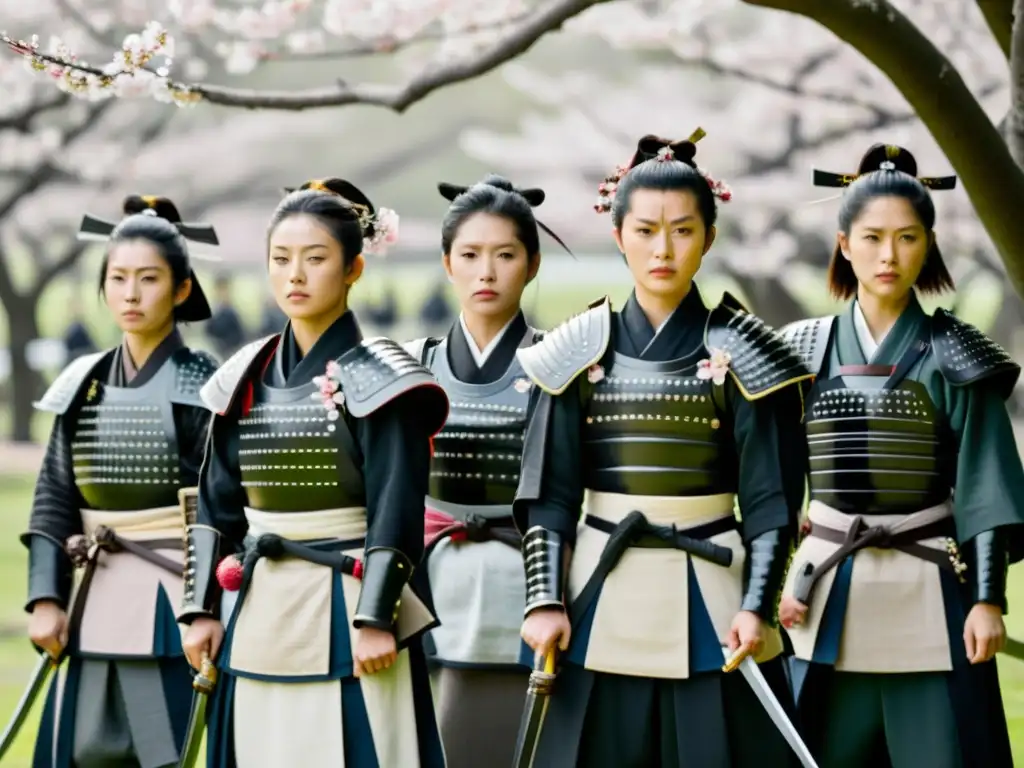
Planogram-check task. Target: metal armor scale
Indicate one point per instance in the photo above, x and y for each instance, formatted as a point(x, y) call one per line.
point(292, 457)
point(478, 452)
point(886, 449)
point(654, 429)
point(124, 444)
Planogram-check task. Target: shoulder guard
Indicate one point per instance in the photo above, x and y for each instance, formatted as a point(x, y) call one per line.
point(555, 361)
point(760, 361)
point(193, 368)
point(965, 355)
point(68, 384)
point(809, 340)
point(420, 348)
point(218, 393)
point(379, 370)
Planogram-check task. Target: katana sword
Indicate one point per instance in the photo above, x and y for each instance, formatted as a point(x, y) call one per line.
point(538, 694)
point(44, 666)
point(202, 685)
point(755, 679)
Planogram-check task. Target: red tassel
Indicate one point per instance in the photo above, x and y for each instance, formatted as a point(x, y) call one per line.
point(357, 570)
point(459, 535)
point(229, 574)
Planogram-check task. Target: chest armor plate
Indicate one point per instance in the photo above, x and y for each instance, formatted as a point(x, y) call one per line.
point(293, 458)
point(653, 429)
point(477, 454)
point(125, 449)
point(877, 451)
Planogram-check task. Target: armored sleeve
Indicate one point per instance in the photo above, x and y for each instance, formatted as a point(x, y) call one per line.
point(55, 516)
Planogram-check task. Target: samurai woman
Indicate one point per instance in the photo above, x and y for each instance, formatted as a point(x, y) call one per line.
point(128, 434)
point(316, 471)
point(491, 251)
point(657, 419)
point(895, 599)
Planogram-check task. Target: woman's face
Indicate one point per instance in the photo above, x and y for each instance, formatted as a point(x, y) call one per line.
point(139, 288)
point(664, 241)
point(488, 266)
point(308, 276)
point(886, 246)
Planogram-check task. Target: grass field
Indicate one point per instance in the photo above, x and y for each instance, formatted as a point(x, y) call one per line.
point(16, 656)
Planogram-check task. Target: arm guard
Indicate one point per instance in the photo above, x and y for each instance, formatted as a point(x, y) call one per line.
point(765, 570)
point(542, 556)
point(385, 573)
point(49, 571)
point(202, 592)
point(990, 566)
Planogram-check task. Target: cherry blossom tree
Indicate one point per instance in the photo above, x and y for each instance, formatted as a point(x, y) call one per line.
point(450, 41)
point(769, 115)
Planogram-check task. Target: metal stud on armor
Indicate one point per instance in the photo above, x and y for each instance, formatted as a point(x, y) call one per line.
point(881, 451)
point(653, 429)
point(291, 456)
point(477, 454)
point(124, 448)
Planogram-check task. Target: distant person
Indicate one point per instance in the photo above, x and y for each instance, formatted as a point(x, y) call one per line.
point(273, 320)
point(129, 432)
point(384, 315)
point(77, 339)
point(436, 312)
point(225, 328)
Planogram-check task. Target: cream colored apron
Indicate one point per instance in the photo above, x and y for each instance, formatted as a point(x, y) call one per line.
point(641, 621)
point(119, 614)
point(895, 618)
point(283, 629)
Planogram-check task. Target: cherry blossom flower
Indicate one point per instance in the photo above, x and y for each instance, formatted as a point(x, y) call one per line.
point(715, 367)
point(595, 373)
point(329, 392)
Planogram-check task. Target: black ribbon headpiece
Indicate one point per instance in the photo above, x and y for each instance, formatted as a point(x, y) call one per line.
point(196, 307)
point(533, 196)
point(884, 157)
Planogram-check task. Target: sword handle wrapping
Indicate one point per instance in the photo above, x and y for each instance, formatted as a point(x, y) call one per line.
point(206, 678)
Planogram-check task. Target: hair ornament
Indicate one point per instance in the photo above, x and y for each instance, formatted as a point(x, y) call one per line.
point(385, 232)
point(383, 222)
point(95, 229)
point(661, 150)
point(884, 157)
point(534, 196)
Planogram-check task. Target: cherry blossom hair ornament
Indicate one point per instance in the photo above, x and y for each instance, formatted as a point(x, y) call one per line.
point(652, 147)
point(533, 196)
point(379, 225)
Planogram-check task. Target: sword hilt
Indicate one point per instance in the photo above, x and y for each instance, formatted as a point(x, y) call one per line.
point(206, 679)
point(542, 678)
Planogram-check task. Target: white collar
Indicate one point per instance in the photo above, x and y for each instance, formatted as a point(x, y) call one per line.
point(480, 356)
point(868, 345)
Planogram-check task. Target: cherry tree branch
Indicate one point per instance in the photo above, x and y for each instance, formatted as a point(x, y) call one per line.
point(999, 17)
point(549, 17)
point(22, 119)
point(1014, 127)
point(48, 170)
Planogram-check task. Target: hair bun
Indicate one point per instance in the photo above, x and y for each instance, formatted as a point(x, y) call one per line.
point(888, 157)
point(161, 206)
point(651, 146)
point(450, 191)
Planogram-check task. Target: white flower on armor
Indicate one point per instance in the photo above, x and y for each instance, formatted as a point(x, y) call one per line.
point(595, 373)
point(522, 385)
point(715, 367)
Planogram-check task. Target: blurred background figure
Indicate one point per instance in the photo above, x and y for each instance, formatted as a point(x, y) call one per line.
point(225, 328)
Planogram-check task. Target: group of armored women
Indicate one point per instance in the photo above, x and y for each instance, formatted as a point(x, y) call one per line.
point(375, 542)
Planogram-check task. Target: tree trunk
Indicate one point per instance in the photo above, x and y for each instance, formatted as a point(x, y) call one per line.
point(769, 299)
point(937, 92)
point(26, 384)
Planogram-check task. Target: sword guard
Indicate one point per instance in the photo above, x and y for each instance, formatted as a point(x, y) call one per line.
point(206, 679)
